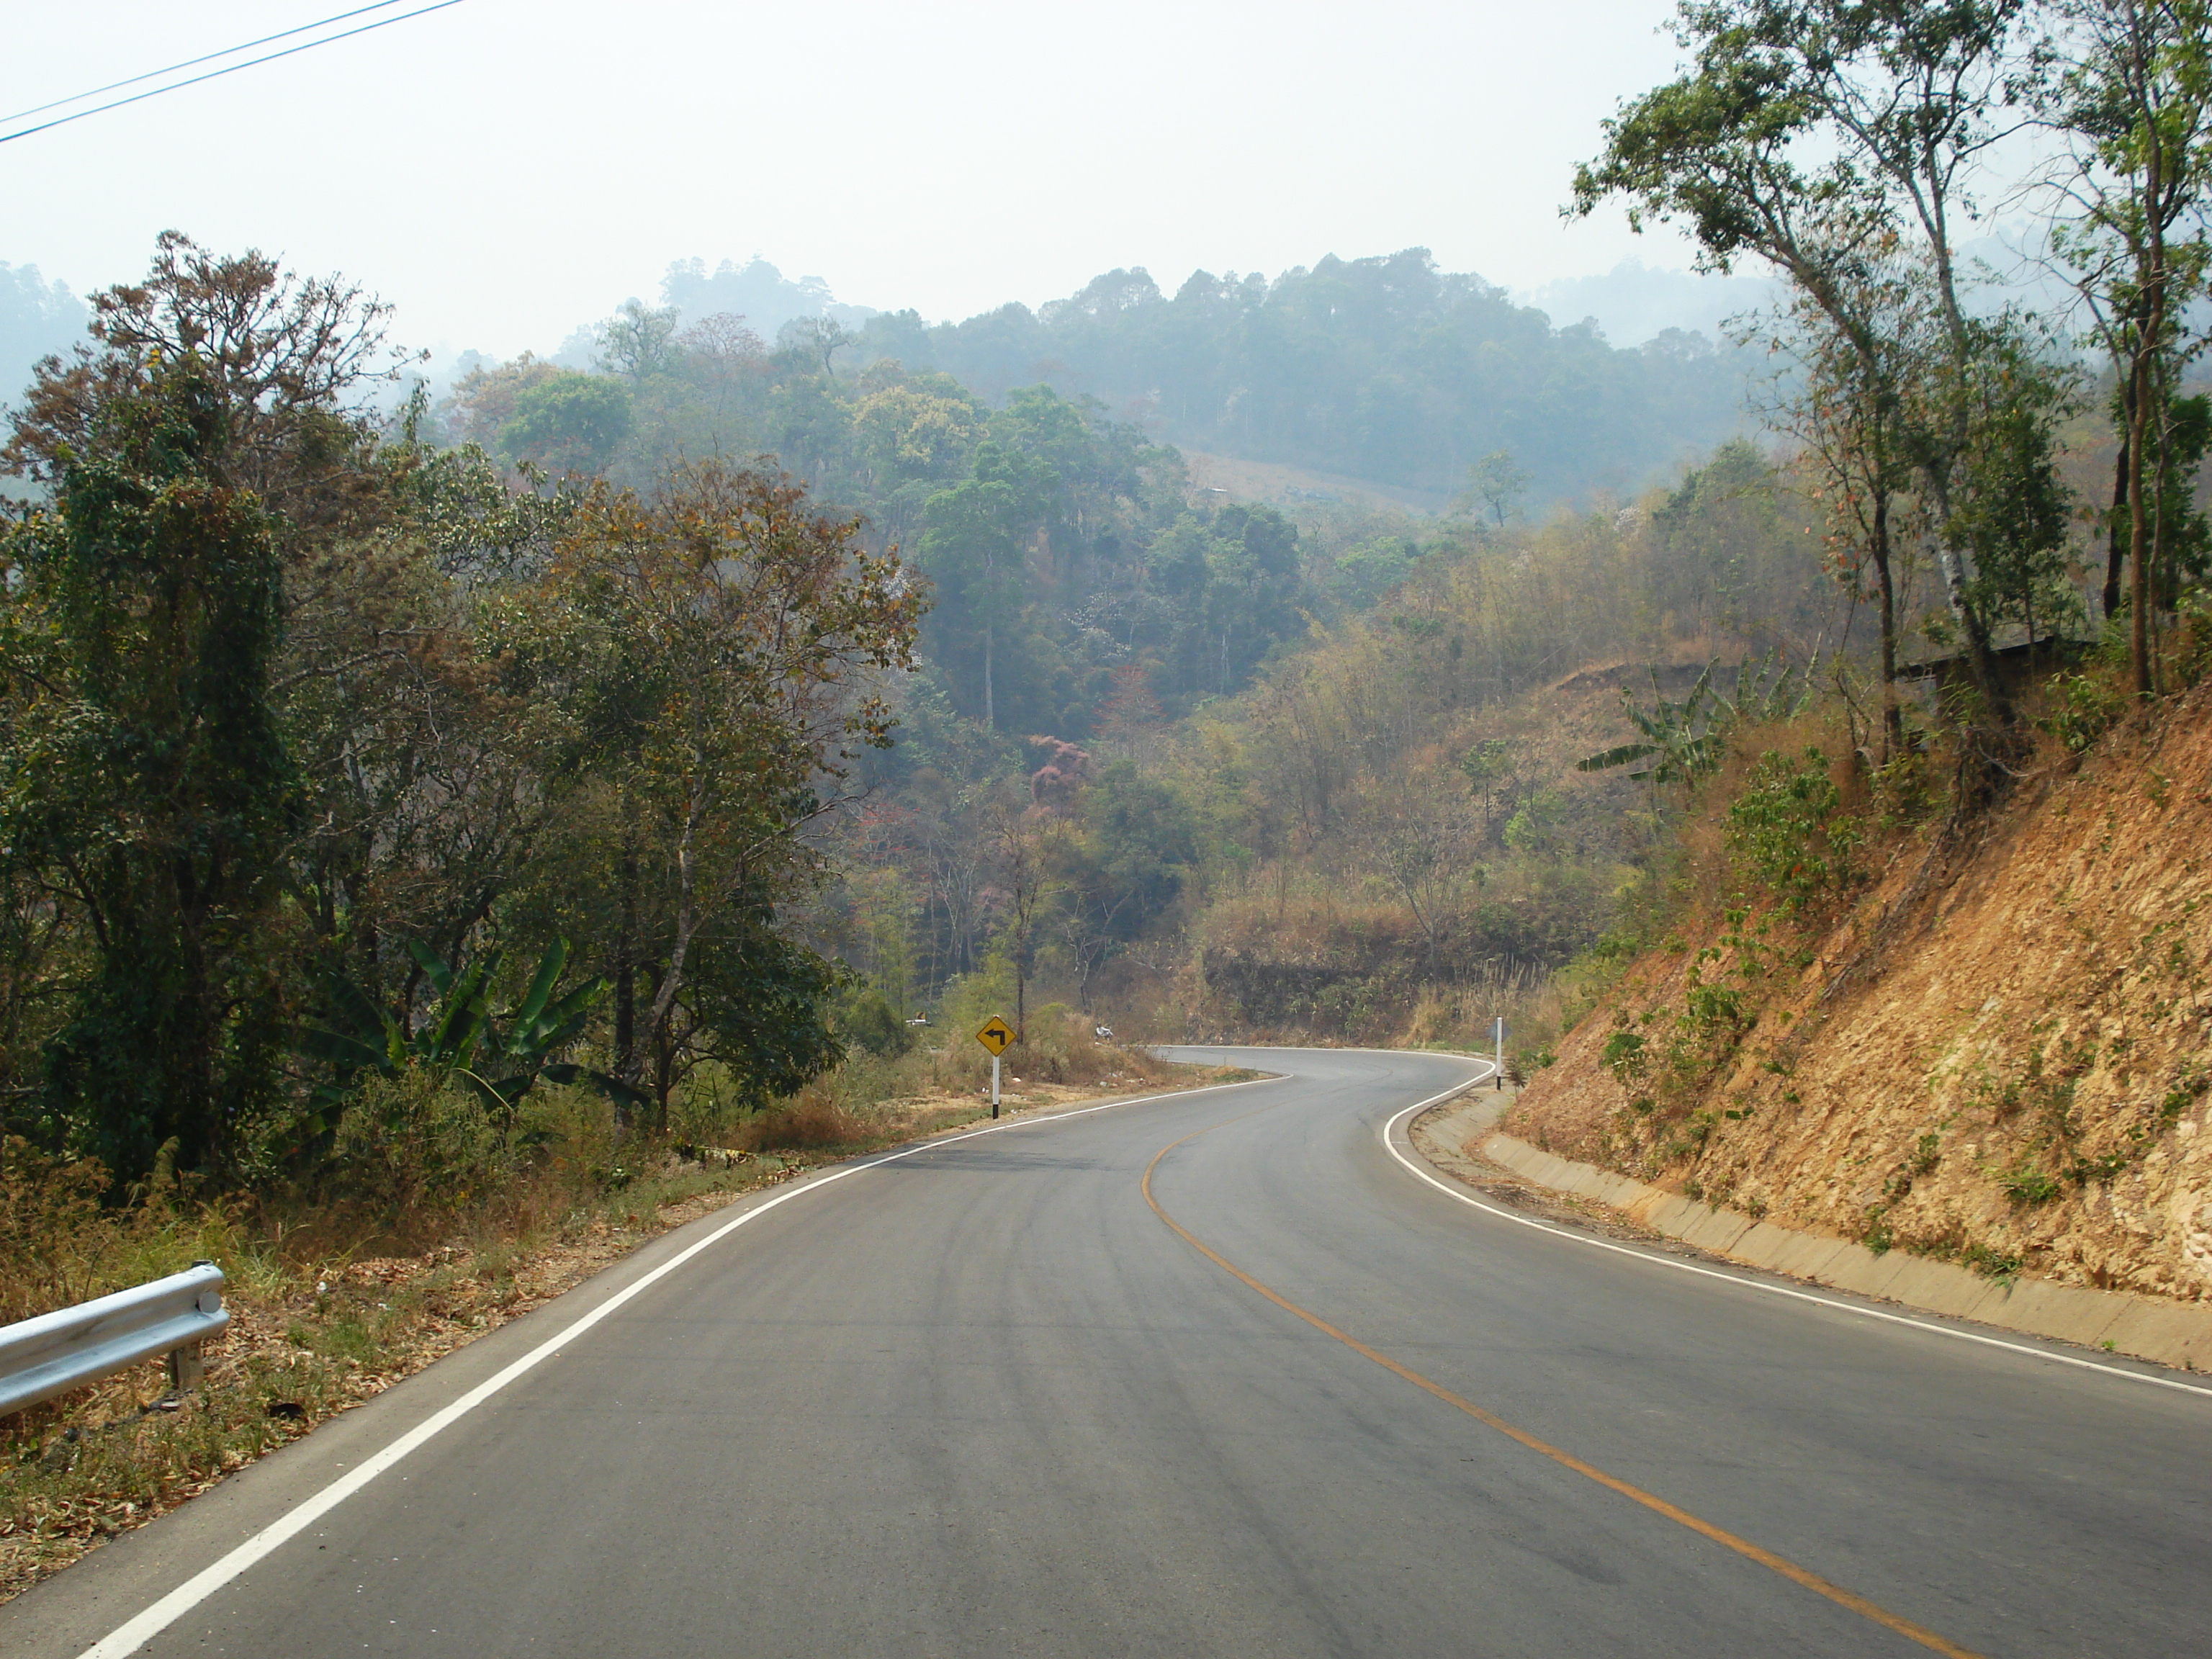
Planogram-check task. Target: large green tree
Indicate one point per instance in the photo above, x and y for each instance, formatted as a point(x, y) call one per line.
point(148, 781)
point(974, 544)
point(704, 653)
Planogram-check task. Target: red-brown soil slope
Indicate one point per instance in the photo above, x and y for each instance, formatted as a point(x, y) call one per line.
point(1997, 1056)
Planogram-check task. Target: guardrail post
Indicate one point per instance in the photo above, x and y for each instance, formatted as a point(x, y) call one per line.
point(186, 1368)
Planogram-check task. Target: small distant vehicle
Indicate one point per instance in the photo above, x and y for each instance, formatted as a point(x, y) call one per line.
point(1103, 1033)
point(919, 1020)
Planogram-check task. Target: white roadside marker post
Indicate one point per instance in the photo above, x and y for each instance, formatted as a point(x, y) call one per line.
point(1498, 1071)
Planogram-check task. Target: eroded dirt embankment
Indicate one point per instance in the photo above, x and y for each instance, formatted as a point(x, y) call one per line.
point(1997, 1057)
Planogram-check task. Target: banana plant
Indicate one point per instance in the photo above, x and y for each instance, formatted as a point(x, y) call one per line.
point(1683, 741)
point(461, 1037)
point(525, 1039)
point(1686, 740)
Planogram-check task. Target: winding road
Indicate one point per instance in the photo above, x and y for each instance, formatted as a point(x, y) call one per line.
point(1215, 1373)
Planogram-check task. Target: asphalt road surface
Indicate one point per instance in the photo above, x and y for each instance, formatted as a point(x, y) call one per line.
point(986, 1400)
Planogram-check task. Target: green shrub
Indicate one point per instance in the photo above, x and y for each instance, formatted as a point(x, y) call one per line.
point(1990, 1262)
point(419, 1140)
point(1623, 1054)
point(866, 1019)
point(1905, 791)
point(2192, 644)
point(1714, 1009)
point(2027, 1185)
point(2082, 709)
point(1790, 831)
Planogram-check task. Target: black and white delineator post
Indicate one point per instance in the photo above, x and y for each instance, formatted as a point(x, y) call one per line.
point(1498, 1071)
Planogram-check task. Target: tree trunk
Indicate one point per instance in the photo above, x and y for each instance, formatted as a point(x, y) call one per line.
point(626, 964)
point(1892, 717)
point(1948, 558)
point(1980, 657)
point(687, 917)
point(2138, 543)
point(2139, 548)
point(664, 1078)
point(2115, 547)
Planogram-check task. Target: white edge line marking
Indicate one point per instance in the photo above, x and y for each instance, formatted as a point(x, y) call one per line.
point(129, 1636)
point(1389, 1146)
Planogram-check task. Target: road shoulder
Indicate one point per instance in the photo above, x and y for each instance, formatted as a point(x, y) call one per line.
point(1458, 1138)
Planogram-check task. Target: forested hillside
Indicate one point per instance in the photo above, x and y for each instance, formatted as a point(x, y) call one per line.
point(36, 317)
point(1021, 458)
point(1485, 779)
point(1384, 368)
point(1386, 830)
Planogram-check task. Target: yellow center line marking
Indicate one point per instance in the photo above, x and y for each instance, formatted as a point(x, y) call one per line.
point(1744, 1547)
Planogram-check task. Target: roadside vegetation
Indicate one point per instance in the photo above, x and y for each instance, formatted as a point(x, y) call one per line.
point(1920, 968)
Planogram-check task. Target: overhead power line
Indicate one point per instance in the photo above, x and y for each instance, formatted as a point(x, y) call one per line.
point(227, 52)
point(178, 85)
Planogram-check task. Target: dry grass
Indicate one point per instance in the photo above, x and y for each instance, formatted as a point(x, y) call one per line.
point(810, 1121)
point(313, 1331)
point(1532, 1002)
point(1058, 1048)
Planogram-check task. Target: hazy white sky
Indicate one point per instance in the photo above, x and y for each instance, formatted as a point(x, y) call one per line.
point(505, 169)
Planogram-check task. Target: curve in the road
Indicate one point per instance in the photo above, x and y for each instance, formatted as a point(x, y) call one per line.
point(1788, 1569)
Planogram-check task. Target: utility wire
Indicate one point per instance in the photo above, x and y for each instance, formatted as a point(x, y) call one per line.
point(178, 86)
point(227, 52)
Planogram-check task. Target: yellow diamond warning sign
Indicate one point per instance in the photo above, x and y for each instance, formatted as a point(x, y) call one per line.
point(995, 1035)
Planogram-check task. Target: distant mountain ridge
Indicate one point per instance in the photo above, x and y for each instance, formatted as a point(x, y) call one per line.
point(755, 290)
point(1384, 368)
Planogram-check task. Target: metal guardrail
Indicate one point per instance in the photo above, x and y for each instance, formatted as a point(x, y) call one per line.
point(71, 1346)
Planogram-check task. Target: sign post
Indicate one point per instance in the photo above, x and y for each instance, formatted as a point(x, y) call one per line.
point(995, 1035)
